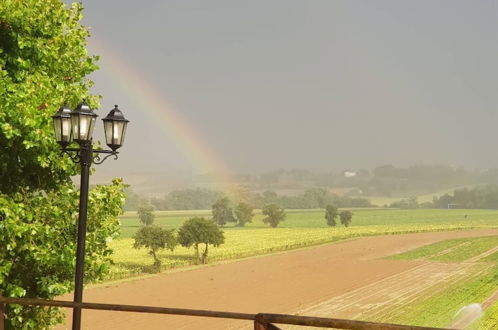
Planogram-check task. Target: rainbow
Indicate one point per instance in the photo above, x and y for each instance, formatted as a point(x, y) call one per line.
point(168, 120)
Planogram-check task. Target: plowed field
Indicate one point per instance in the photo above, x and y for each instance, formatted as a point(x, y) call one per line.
point(347, 279)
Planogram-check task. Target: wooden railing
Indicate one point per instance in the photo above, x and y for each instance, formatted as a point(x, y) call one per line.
point(262, 321)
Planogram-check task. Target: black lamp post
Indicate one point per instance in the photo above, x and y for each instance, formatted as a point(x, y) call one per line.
point(78, 125)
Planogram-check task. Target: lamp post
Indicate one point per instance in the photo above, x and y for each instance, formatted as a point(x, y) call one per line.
point(77, 125)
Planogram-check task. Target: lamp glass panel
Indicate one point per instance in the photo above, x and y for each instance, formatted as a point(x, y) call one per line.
point(84, 126)
point(108, 132)
point(66, 130)
point(76, 127)
point(117, 130)
point(90, 128)
point(57, 129)
point(123, 132)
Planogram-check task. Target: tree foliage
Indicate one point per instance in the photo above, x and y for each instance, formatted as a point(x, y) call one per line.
point(243, 213)
point(146, 213)
point(331, 213)
point(197, 231)
point(222, 212)
point(479, 197)
point(406, 203)
point(346, 217)
point(155, 238)
point(43, 63)
point(274, 214)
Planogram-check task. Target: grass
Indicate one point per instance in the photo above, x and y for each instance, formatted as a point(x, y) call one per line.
point(428, 250)
point(314, 219)
point(460, 249)
point(302, 228)
point(489, 320)
point(492, 257)
point(474, 247)
point(439, 309)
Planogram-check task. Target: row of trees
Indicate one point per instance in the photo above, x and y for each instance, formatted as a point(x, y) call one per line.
point(243, 213)
point(385, 180)
point(198, 230)
point(199, 199)
point(332, 212)
point(480, 197)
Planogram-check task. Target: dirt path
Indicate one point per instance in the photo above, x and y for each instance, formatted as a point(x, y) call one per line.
point(281, 283)
point(483, 255)
point(371, 301)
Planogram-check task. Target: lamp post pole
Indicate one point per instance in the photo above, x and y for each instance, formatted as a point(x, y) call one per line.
point(85, 163)
point(77, 125)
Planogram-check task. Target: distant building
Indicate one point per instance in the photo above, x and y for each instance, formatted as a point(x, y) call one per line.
point(349, 174)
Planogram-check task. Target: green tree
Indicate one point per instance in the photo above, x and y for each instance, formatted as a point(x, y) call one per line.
point(274, 214)
point(222, 212)
point(331, 213)
point(243, 213)
point(146, 213)
point(346, 217)
point(155, 238)
point(43, 63)
point(197, 231)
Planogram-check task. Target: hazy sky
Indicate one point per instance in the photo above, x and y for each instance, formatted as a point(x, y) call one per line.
point(299, 84)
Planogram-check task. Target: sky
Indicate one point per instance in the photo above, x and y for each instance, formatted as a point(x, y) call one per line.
point(251, 86)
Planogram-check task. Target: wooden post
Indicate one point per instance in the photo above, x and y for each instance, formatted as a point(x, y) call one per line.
point(2, 316)
point(260, 324)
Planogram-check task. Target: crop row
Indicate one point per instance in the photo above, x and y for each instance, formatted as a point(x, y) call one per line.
point(439, 310)
point(250, 242)
point(454, 250)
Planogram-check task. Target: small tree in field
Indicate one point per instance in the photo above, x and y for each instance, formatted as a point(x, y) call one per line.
point(331, 213)
point(155, 238)
point(222, 212)
point(274, 214)
point(243, 214)
point(197, 231)
point(346, 217)
point(146, 213)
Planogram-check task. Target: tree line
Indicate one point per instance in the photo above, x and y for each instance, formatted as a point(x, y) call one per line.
point(199, 231)
point(479, 197)
point(201, 199)
point(384, 180)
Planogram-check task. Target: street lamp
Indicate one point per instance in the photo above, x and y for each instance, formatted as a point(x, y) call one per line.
point(77, 125)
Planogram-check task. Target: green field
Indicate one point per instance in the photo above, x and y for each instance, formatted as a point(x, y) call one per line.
point(314, 219)
point(489, 319)
point(304, 228)
point(301, 228)
point(439, 309)
point(455, 250)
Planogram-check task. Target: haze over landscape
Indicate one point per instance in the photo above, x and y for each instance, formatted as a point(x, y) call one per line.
point(253, 86)
point(287, 163)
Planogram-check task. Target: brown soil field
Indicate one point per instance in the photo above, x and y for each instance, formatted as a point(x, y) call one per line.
point(306, 281)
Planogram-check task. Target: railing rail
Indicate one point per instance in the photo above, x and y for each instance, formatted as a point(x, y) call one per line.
point(262, 321)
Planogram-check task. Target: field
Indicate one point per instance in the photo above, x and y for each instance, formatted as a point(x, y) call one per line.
point(480, 285)
point(454, 275)
point(302, 228)
point(456, 250)
point(426, 279)
point(309, 281)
